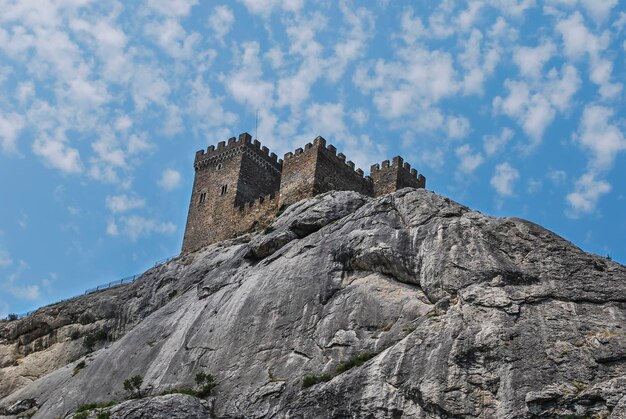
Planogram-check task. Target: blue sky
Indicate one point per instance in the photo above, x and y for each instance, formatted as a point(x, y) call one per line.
point(512, 107)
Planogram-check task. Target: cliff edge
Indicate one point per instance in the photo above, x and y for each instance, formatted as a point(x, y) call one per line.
point(408, 305)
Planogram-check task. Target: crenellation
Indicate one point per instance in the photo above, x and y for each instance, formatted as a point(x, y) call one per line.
point(319, 142)
point(240, 186)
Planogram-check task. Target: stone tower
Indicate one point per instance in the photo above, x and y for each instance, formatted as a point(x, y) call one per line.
point(318, 169)
point(239, 187)
point(392, 177)
point(227, 177)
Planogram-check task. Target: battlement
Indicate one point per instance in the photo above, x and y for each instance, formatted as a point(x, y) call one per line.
point(330, 150)
point(397, 162)
point(214, 155)
point(240, 185)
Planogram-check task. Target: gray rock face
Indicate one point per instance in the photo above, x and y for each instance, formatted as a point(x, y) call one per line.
point(451, 314)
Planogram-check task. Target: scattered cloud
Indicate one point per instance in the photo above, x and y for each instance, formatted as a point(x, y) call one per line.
point(587, 193)
point(504, 179)
point(602, 138)
point(557, 177)
point(135, 227)
point(10, 127)
point(579, 42)
point(469, 161)
point(170, 179)
point(221, 21)
point(494, 144)
point(124, 203)
point(532, 60)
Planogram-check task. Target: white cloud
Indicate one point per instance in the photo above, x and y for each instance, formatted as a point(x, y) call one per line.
point(123, 203)
point(173, 38)
point(123, 123)
point(601, 137)
point(493, 144)
point(10, 126)
point(469, 160)
point(580, 41)
point(265, 8)
point(534, 185)
point(221, 21)
point(586, 194)
point(458, 127)
point(504, 179)
point(577, 39)
point(57, 154)
point(26, 292)
point(557, 177)
point(532, 60)
point(245, 84)
point(25, 91)
point(22, 292)
point(599, 10)
point(535, 104)
point(135, 227)
point(170, 179)
point(172, 7)
point(410, 85)
point(112, 229)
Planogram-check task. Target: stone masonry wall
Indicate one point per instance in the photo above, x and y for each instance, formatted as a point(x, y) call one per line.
point(240, 186)
point(397, 175)
point(333, 173)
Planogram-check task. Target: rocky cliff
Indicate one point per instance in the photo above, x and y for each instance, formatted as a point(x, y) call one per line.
point(408, 305)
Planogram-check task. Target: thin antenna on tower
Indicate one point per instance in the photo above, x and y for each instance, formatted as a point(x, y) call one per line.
point(256, 126)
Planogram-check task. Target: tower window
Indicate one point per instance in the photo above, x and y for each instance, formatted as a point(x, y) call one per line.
point(224, 189)
point(202, 197)
point(219, 166)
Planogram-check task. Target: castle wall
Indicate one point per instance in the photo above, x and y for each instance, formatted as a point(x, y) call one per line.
point(333, 173)
point(239, 186)
point(394, 175)
point(208, 203)
point(298, 176)
point(317, 169)
point(257, 178)
point(246, 170)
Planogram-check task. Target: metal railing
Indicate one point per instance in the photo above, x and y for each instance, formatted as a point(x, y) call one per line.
point(112, 284)
point(127, 280)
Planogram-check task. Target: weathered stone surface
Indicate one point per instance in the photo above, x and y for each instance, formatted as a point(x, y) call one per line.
point(172, 406)
point(467, 315)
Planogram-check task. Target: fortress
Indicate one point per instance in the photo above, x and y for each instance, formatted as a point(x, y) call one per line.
point(239, 187)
